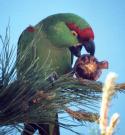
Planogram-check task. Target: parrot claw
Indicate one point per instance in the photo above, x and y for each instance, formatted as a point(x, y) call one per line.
point(52, 77)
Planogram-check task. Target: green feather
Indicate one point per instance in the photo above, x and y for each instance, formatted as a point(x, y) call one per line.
point(50, 43)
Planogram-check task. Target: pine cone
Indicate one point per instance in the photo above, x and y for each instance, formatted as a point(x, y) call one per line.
point(88, 67)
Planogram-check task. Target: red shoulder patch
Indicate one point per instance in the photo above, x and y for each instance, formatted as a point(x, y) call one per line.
point(30, 29)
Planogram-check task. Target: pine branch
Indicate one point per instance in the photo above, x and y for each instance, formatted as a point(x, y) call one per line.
point(19, 102)
point(67, 81)
point(83, 116)
point(72, 87)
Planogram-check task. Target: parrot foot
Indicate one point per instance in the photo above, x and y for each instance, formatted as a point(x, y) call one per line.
point(52, 77)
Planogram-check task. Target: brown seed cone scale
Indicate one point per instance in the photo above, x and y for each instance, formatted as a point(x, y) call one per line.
point(88, 67)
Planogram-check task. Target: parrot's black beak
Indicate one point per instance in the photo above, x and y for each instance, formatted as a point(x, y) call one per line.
point(76, 50)
point(89, 46)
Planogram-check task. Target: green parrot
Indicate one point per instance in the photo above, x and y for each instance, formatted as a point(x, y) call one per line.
point(54, 41)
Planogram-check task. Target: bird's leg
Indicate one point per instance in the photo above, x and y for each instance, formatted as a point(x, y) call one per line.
point(43, 128)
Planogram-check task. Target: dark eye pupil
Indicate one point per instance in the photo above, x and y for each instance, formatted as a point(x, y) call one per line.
point(74, 33)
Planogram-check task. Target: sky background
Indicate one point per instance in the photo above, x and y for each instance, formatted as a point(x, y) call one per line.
point(107, 19)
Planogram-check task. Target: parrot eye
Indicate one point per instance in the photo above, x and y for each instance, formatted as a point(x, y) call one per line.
point(74, 33)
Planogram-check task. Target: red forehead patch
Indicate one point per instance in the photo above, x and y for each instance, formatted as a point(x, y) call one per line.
point(84, 34)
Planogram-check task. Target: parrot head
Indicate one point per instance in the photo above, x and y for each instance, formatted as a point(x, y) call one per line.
point(85, 37)
point(70, 30)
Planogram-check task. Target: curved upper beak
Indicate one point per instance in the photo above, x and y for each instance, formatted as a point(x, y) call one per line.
point(89, 46)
